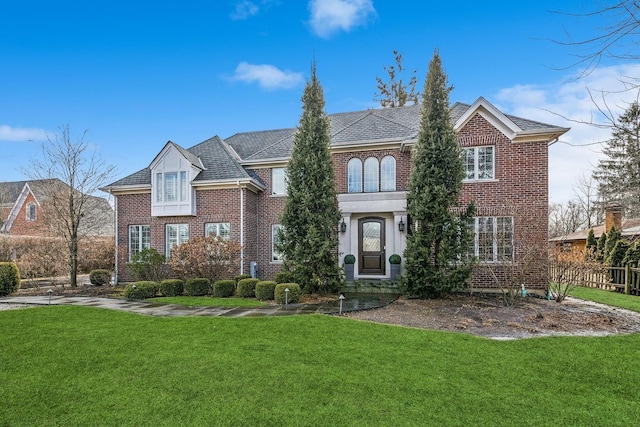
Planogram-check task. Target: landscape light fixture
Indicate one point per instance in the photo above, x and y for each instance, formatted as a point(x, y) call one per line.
point(343, 226)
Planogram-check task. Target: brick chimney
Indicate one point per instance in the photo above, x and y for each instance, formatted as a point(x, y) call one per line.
point(612, 216)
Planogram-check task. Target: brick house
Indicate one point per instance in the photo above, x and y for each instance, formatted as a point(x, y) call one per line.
point(236, 188)
point(23, 209)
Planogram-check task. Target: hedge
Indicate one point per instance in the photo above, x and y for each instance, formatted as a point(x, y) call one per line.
point(100, 277)
point(9, 278)
point(171, 287)
point(247, 288)
point(265, 290)
point(284, 277)
point(241, 277)
point(197, 287)
point(294, 293)
point(224, 288)
point(141, 290)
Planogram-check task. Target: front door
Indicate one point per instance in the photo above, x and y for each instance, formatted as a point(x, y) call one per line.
point(371, 239)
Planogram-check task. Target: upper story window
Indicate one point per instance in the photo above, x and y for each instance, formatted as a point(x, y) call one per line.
point(378, 176)
point(220, 229)
point(479, 163)
point(172, 187)
point(354, 175)
point(139, 239)
point(278, 181)
point(31, 212)
point(276, 255)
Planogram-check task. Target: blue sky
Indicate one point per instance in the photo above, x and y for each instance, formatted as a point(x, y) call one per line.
point(137, 74)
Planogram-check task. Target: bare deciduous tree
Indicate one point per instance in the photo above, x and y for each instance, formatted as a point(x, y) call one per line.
point(74, 175)
point(394, 93)
point(565, 218)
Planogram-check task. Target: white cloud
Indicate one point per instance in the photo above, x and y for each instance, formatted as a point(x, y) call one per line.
point(244, 9)
point(331, 16)
point(8, 133)
point(267, 76)
point(569, 104)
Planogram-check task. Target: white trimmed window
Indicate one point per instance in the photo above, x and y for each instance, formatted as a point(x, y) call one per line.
point(493, 240)
point(354, 176)
point(479, 163)
point(172, 187)
point(371, 175)
point(278, 181)
point(177, 234)
point(31, 212)
point(388, 174)
point(276, 256)
point(220, 229)
point(139, 239)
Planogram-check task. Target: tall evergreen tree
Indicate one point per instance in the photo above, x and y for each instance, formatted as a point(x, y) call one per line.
point(618, 175)
point(309, 242)
point(437, 247)
point(591, 246)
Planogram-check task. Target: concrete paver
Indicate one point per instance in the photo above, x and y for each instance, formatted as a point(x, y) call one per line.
point(352, 302)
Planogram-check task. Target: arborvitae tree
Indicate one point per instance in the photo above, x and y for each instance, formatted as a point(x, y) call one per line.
point(618, 175)
point(602, 242)
point(632, 257)
point(591, 247)
point(616, 256)
point(436, 253)
point(394, 93)
point(309, 242)
point(612, 238)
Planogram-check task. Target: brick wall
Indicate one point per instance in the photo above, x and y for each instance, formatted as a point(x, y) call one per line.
point(22, 227)
point(269, 209)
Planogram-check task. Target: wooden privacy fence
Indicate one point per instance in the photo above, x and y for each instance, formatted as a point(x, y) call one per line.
point(621, 279)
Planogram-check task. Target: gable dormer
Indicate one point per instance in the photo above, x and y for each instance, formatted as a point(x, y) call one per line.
point(172, 172)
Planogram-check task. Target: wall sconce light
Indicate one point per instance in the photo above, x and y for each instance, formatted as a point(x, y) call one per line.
point(343, 226)
point(401, 225)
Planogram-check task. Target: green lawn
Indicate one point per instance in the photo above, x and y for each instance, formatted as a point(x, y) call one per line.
point(616, 299)
point(209, 301)
point(66, 365)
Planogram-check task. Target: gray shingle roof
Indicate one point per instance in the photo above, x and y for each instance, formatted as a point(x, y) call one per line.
point(222, 158)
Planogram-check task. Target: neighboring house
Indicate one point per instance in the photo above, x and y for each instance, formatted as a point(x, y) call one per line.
point(236, 188)
point(630, 229)
point(24, 209)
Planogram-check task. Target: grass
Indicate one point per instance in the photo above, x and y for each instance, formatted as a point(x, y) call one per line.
point(67, 365)
point(208, 301)
point(616, 299)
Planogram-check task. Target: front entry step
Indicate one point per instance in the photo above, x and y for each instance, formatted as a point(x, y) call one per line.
point(372, 286)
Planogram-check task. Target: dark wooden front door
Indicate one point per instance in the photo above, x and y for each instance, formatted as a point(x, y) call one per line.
point(371, 242)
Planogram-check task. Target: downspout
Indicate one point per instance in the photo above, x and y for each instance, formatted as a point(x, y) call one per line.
point(115, 218)
point(241, 228)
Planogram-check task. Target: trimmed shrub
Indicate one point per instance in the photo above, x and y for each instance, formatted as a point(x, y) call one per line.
point(241, 277)
point(349, 259)
point(395, 259)
point(247, 288)
point(197, 286)
point(100, 277)
point(171, 287)
point(9, 278)
point(265, 290)
point(284, 277)
point(294, 293)
point(141, 290)
point(148, 265)
point(224, 288)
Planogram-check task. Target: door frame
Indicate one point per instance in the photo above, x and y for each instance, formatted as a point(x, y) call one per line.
point(383, 259)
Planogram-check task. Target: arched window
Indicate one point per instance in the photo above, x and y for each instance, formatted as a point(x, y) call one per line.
point(388, 174)
point(354, 175)
point(371, 175)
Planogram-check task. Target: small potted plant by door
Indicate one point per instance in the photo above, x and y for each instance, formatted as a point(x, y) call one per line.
point(395, 260)
point(349, 261)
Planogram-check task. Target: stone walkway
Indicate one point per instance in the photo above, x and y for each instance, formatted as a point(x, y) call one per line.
point(352, 302)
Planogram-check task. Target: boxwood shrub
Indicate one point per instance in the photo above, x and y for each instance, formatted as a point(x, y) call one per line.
point(100, 277)
point(9, 278)
point(141, 290)
point(241, 277)
point(171, 287)
point(265, 290)
point(224, 288)
point(197, 286)
point(294, 293)
point(284, 277)
point(247, 288)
